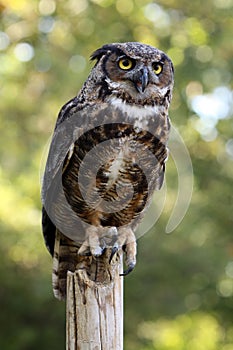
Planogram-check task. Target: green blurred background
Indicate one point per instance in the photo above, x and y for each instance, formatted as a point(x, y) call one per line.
point(180, 296)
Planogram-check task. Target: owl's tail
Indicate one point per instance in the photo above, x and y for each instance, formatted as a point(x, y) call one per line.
point(65, 258)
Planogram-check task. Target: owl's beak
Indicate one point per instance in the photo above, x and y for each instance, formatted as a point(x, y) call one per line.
point(141, 80)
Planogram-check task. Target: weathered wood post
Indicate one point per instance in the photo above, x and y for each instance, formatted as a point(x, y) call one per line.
point(94, 311)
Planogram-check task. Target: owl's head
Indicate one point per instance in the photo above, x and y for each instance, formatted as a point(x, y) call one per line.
point(134, 72)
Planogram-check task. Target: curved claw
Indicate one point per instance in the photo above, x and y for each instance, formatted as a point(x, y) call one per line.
point(113, 252)
point(98, 251)
point(130, 268)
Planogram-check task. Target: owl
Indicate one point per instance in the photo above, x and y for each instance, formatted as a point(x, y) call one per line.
point(106, 158)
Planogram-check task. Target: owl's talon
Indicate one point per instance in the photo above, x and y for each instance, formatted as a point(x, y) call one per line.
point(97, 242)
point(127, 241)
point(113, 252)
point(130, 268)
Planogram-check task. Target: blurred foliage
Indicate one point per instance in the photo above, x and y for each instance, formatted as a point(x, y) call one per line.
point(194, 331)
point(181, 293)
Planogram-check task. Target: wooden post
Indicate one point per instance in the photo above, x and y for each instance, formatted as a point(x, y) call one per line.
point(94, 311)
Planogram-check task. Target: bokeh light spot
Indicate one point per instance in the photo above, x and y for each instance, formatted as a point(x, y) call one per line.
point(77, 6)
point(225, 288)
point(197, 34)
point(177, 55)
point(24, 52)
point(157, 15)
point(47, 7)
point(204, 53)
point(217, 105)
point(46, 24)
point(124, 7)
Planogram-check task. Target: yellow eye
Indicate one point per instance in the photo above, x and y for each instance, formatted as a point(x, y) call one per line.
point(125, 63)
point(157, 67)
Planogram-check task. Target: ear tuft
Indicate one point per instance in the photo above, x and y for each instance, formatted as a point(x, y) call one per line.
point(100, 52)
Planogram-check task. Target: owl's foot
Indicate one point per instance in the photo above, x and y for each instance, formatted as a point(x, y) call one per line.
point(127, 240)
point(98, 239)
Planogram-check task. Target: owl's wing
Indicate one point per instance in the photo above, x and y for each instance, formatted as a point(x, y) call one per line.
point(72, 122)
point(61, 142)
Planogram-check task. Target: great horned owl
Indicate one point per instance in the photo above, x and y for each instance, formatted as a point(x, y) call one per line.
point(106, 158)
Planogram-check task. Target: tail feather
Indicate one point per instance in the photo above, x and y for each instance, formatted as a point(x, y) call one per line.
point(65, 258)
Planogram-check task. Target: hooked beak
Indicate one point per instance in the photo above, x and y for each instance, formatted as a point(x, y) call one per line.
point(141, 80)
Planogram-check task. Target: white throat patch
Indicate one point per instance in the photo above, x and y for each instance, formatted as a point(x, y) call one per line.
point(141, 111)
point(138, 114)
